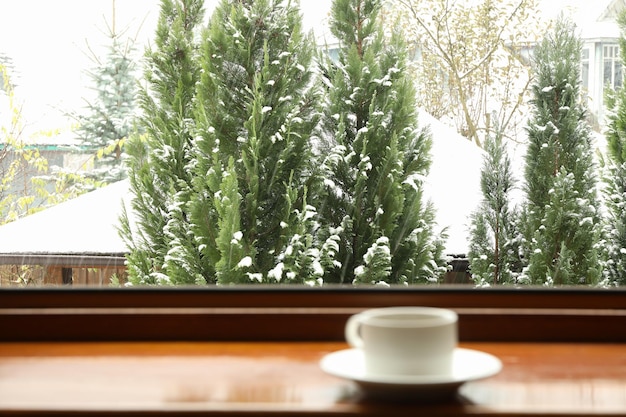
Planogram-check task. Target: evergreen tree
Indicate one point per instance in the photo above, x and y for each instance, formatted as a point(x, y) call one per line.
point(494, 255)
point(109, 119)
point(615, 270)
point(257, 112)
point(158, 231)
point(374, 210)
point(561, 216)
point(230, 205)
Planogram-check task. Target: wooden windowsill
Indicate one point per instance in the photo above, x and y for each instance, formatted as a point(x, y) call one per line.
point(300, 314)
point(254, 351)
point(284, 378)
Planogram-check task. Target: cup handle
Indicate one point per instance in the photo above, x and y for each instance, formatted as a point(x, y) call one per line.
point(352, 332)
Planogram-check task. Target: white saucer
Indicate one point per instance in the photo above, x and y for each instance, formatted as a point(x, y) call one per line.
point(467, 365)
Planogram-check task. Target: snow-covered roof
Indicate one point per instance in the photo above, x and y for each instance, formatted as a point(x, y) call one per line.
point(88, 224)
point(597, 19)
point(612, 10)
point(85, 225)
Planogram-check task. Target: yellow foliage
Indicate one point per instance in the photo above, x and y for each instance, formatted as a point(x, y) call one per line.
point(21, 191)
point(470, 69)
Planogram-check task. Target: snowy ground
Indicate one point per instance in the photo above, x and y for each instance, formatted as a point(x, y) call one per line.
point(453, 184)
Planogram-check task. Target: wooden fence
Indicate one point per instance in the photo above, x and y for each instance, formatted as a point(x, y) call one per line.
point(32, 275)
point(98, 277)
point(37, 276)
point(44, 270)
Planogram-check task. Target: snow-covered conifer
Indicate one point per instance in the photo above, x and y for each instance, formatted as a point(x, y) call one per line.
point(256, 115)
point(493, 251)
point(378, 158)
point(561, 217)
point(110, 118)
point(615, 270)
point(162, 250)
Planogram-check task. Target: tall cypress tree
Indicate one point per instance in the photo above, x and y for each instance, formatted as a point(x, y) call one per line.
point(493, 254)
point(376, 216)
point(561, 217)
point(615, 269)
point(158, 232)
point(253, 165)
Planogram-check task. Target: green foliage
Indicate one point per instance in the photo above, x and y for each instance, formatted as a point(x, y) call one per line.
point(493, 254)
point(615, 102)
point(158, 235)
point(110, 118)
point(228, 183)
point(615, 178)
point(221, 176)
point(564, 244)
point(374, 170)
point(615, 191)
point(227, 201)
point(561, 218)
point(256, 116)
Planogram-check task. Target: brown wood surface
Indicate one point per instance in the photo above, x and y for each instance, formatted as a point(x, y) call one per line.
point(284, 378)
point(296, 314)
point(328, 296)
point(292, 324)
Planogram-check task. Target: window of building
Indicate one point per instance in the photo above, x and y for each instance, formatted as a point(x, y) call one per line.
point(584, 70)
point(612, 66)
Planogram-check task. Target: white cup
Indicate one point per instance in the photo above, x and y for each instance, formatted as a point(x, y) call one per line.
point(405, 340)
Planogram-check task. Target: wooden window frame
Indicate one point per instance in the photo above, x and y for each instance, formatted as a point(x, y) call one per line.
point(302, 314)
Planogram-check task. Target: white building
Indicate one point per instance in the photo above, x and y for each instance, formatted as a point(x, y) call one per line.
point(601, 60)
